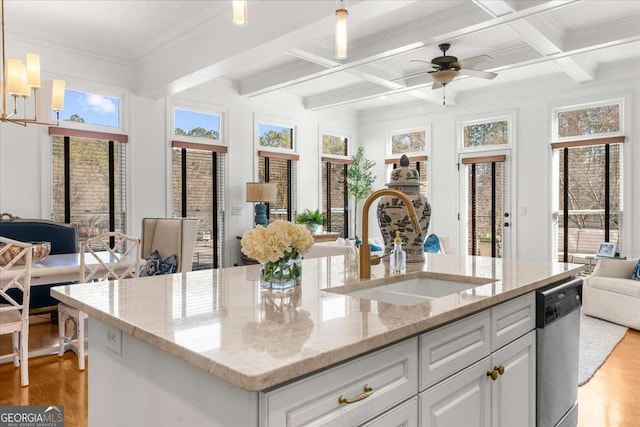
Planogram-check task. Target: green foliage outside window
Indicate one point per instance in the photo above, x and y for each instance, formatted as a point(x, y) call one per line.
point(489, 133)
point(589, 121)
point(334, 145)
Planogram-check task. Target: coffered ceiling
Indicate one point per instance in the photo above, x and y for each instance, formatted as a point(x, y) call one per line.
point(288, 45)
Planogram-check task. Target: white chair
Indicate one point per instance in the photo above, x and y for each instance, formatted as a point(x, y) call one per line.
point(609, 294)
point(14, 316)
point(170, 236)
point(124, 263)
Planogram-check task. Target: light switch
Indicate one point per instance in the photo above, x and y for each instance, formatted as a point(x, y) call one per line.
point(236, 210)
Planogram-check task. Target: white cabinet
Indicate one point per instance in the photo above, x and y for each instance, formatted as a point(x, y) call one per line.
point(443, 378)
point(473, 397)
point(348, 394)
point(405, 415)
point(463, 400)
point(514, 392)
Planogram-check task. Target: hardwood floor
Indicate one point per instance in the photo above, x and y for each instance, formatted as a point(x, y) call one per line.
point(610, 399)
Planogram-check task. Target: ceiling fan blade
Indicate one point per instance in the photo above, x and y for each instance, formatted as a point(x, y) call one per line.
point(477, 73)
point(470, 62)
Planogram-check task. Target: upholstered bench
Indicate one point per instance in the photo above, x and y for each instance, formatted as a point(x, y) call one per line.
point(64, 240)
point(609, 294)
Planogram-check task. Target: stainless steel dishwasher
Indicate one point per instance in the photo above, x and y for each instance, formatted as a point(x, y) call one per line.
point(558, 345)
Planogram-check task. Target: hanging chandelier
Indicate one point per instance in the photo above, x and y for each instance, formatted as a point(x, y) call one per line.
point(341, 31)
point(20, 81)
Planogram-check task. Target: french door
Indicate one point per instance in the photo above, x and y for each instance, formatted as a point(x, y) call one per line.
point(485, 214)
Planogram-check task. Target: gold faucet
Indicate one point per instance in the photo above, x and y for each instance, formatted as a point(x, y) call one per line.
point(365, 250)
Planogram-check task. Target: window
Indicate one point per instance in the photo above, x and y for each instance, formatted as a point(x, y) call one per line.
point(485, 164)
point(88, 180)
point(90, 109)
point(280, 169)
point(275, 136)
point(414, 145)
point(335, 200)
point(588, 178)
point(486, 133)
point(409, 142)
point(196, 125)
point(198, 176)
point(277, 163)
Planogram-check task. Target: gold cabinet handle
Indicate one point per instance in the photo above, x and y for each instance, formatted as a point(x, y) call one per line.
point(500, 369)
point(367, 391)
point(493, 374)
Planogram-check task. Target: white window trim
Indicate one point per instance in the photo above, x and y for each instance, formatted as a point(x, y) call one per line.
point(509, 117)
point(582, 106)
point(337, 133)
point(202, 110)
point(427, 142)
point(274, 121)
point(121, 95)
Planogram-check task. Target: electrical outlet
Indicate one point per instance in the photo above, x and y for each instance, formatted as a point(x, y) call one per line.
point(114, 340)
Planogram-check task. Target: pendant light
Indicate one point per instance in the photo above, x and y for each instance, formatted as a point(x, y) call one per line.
point(240, 14)
point(341, 30)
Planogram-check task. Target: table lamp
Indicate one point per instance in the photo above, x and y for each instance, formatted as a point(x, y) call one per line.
point(261, 192)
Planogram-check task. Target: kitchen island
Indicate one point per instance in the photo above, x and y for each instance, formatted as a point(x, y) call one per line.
point(212, 348)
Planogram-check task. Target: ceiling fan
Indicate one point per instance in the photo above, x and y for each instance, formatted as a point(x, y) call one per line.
point(447, 68)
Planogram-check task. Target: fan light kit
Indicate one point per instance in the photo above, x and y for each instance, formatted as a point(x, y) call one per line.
point(447, 68)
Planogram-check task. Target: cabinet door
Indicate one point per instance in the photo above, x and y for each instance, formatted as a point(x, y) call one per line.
point(514, 392)
point(462, 400)
point(405, 415)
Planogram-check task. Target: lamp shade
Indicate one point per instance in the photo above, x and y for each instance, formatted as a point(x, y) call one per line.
point(261, 192)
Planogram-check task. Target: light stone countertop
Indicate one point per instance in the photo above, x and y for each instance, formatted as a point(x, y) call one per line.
point(220, 321)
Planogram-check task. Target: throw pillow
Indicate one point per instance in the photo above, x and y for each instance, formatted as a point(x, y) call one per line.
point(375, 248)
point(155, 265)
point(432, 244)
point(635, 274)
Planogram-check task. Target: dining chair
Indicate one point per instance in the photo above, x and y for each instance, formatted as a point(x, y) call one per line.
point(14, 315)
point(124, 262)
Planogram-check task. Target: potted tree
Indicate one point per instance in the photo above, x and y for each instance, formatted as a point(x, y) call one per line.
point(312, 219)
point(360, 180)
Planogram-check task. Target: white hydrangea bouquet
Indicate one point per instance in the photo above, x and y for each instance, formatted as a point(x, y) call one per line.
point(278, 248)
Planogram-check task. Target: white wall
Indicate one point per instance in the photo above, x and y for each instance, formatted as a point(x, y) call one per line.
point(24, 152)
point(532, 104)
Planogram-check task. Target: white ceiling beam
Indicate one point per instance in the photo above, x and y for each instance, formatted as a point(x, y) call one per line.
point(464, 20)
point(320, 59)
point(190, 60)
point(539, 34)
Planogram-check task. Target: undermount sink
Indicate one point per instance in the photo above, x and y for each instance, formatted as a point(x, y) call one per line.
point(414, 290)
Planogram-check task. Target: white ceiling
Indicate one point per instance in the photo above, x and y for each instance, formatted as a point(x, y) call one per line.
point(288, 45)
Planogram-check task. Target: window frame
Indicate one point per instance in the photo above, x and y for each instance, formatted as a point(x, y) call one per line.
point(584, 105)
point(102, 91)
point(171, 137)
point(206, 110)
point(274, 121)
point(340, 159)
point(509, 117)
point(427, 142)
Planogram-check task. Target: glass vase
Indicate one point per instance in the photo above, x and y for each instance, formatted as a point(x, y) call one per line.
point(281, 274)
